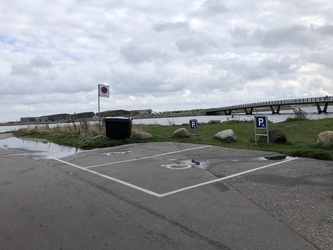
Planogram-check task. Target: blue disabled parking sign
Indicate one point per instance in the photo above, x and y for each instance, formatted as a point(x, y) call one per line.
point(193, 124)
point(261, 121)
point(194, 127)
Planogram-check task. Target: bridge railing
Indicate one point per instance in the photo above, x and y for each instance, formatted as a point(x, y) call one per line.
point(277, 102)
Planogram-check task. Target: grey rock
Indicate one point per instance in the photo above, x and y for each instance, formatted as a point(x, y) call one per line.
point(142, 135)
point(325, 139)
point(226, 135)
point(181, 132)
point(277, 136)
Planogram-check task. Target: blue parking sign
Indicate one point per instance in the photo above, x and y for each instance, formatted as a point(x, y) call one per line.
point(193, 124)
point(261, 121)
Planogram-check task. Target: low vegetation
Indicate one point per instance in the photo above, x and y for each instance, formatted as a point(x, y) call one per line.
point(300, 131)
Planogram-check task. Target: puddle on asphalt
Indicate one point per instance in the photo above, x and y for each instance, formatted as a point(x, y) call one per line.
point(208, 163)
point(39, 149)
point(197, 164)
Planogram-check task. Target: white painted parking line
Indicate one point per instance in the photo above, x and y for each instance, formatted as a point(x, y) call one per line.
point(148, 157)
point(110, 178)
point(224, 178)
point(175, 191)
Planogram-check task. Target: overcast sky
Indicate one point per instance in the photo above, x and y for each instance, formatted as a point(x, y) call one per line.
point(161, 55)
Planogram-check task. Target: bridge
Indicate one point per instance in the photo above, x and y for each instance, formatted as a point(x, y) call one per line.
point(321, 102)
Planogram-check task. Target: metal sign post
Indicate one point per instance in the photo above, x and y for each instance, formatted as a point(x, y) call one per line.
point(194, 126)
point(260, 122)
point(103, 91)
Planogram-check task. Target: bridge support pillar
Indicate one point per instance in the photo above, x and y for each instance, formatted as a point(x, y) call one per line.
point(227, 112)
point(248, 111)
point(324, 110)
point(276, 109)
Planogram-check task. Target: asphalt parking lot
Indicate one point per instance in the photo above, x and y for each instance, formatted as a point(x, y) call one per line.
point(165, 196)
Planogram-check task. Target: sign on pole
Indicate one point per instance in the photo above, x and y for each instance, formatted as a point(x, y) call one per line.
point(194, 126)
point(260, 122)
point(103, 91)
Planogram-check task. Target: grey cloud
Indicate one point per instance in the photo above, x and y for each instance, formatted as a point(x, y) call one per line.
point(219, 80)
point(136, 54)
point(196, 44)
point(146, 79)
point(293, 36)
point(252, 70)
point(325, 30)
point(296, 35)
point(316, 83)
point(214, 7)
point(240, 36)
point(176, 26)
point(22, 70)
point(279, 66)
point(40, 62)
point(324, 58)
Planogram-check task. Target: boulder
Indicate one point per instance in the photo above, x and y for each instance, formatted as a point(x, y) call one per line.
point(226, 135)
point(276, 136)
point(325, 139)
point(142, 135)
point(181, 132)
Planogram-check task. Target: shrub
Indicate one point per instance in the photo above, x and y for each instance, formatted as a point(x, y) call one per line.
point(299, 114)
point(214, 121)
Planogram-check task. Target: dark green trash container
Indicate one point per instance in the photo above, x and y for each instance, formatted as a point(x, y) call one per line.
point(118, 127)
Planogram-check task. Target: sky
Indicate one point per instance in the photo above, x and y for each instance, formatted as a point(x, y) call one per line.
point(161, 55)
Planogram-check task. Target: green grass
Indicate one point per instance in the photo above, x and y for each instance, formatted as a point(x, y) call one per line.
point(301, 136)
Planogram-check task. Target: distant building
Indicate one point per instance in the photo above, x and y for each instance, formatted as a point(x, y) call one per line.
point(28, 119)
point(142, 111)
point(55, 118)
point(84, 115)
point(119, 112)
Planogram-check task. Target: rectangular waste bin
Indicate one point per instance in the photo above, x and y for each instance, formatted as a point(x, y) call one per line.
point(118, 127)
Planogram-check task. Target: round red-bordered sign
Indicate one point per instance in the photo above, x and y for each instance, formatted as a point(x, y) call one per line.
point(104, 90)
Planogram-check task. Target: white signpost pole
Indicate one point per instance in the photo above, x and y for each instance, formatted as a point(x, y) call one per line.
point(99, 116)
point(103, 91)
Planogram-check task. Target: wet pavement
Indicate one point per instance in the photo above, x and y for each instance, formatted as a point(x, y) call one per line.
point(165, 196)
point(36, 148)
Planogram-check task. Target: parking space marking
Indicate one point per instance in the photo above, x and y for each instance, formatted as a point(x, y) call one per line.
point(177, 166)
point(110, 178)
point(224, 178)
point(175, 191)
point(148, 157)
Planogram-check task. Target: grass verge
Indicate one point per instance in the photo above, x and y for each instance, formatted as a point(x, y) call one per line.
point(301, 135)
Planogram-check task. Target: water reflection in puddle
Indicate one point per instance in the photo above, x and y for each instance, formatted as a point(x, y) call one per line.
point(208, 163)
point(39, 149)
